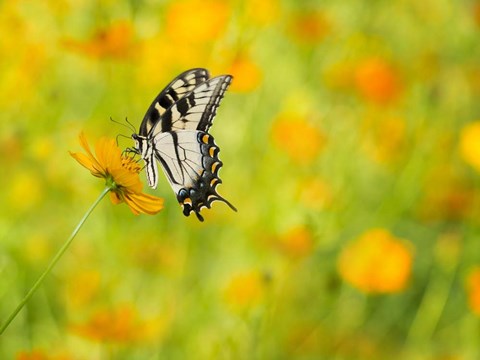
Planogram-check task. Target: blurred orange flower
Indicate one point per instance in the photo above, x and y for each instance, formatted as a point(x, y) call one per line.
point(196, 20)
point(476, 12)
point(309, 27)
point(447, 194)
point(41, 355)
point(121, 324)
point(376, 262)
point(33, 355)
point(470, 144)
point(377, 80)
point(115, 41)
point(120, 173)
point(246, 73)
point(298, 138)
point(472, 286)
point(245, 290)
point(297, 243)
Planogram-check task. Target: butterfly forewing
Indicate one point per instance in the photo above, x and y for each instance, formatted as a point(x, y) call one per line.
point(196, 110)
point(176, 90)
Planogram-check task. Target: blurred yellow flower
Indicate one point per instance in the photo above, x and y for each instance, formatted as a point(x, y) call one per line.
point(315, 194)
point(376, 262)
point(122, 324)
point(472, 287)
point(81, 287)
point(196, 20)
point(339, 76)
point(470, 144)
point(245, 290)
point(385, 138)
point(121, 175)
point(298, 138)
point(42, 148)
point(262, 12)
point(150, 254)
point(37, 248)
point(115, 41)
point(377, 80)
point(27, 186)
point(309, 27)
point(23, 73)
point(297, 243)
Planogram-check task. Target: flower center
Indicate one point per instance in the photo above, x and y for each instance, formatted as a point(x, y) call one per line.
point(130, 164)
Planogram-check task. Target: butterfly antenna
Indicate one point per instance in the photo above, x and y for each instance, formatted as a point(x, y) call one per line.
point(132, 127)
point(129, 126)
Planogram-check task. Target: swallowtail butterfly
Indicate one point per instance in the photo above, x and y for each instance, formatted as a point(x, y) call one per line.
point(174, 131)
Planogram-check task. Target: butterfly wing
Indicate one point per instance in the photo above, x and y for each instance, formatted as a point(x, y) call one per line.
point(190, 162)
point(196, 109)
point(180, 86)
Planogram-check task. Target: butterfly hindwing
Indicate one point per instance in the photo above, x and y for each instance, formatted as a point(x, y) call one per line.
point(192, 168)
point(176, 90)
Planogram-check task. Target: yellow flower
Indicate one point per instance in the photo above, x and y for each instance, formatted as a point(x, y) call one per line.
point(196, 21)
point(245, 290)
point(385, 137)
point(315, 194)
point(473, 289)
point(298, 138)
point(470, 144)
point(120, 173)
point(376, 262)
point(81, 287)
point(25, 183)
point(262, 13)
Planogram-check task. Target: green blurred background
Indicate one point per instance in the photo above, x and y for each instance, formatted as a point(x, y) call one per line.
point(351, 149)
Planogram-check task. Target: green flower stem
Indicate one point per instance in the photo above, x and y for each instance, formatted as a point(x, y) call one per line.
point(54, 261)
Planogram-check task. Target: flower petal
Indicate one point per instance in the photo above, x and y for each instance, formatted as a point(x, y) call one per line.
point(114, 198)
point(86, 162)
point(143, 203)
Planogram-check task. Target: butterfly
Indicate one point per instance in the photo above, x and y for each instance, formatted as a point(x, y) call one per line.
point(174, 132)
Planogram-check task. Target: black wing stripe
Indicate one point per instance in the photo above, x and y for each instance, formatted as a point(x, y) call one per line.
point(216, 97)
point(196, 110)
point(177, 89)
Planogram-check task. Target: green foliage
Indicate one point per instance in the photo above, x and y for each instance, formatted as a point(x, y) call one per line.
point(343, 117)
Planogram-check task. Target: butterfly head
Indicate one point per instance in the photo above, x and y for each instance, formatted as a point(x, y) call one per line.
point(141, 145)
